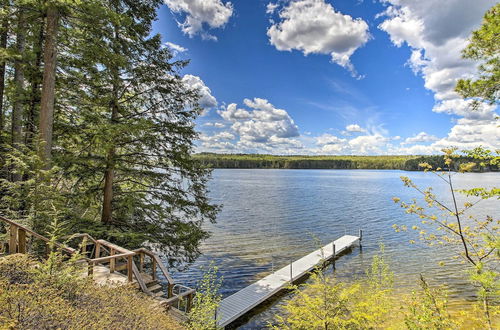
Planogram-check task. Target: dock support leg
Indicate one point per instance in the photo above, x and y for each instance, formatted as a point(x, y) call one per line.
point(333, 255)
point(360, 237)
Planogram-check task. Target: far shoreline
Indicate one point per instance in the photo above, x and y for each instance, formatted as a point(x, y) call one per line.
point(410, 163)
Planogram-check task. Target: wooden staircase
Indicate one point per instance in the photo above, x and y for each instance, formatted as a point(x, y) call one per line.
point(110, 264)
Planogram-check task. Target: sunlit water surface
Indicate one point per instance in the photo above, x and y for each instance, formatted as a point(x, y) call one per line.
point(271, 217)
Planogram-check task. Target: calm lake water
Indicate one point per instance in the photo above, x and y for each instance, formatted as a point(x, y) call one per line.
point(271, 217)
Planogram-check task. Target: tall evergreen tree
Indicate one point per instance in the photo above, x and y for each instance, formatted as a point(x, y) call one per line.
point(484, 47)
point(135, 128)
point(119, 150)
point(49, 80)
point(4, 30)
point(18, 103)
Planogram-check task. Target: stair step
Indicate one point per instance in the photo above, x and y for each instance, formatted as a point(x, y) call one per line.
point(121, 266)
point(155, 288)
point(158, 294)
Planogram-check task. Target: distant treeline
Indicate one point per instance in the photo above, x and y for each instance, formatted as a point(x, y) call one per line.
point(408, 163)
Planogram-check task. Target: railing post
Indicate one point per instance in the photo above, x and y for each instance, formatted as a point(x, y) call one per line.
point(84, 246)
point(90, 269)
point(21, 240)
point(13, 239)
point(112, 262)
point(97, 250)
point(154, 268)
point(129, 268)
point(141, 262)
point(170, 289)
point(189, 302)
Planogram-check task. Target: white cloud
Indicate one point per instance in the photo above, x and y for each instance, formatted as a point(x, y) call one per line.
point(420, 137)
point(265, 123)
point(471, 133)
point(437, 32)
point(464, 108)
point(213, 13)
point(368, 144)
point(206, 100)
point(314, 27)
point(216, 124)
point(466, 134)
point(257, 127)
point(354, 128)
point(217, 137)
point(175, 48)
point(328, 139)
point(271, 7)
point(232, 113)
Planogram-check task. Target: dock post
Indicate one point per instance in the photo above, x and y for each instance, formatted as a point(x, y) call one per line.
point(215, 317)
point(360, 238)
point(333, 254)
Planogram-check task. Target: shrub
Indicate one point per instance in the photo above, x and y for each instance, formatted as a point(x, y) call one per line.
point(31, 299)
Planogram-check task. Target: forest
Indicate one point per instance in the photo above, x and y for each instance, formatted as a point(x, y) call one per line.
point(96, 126)
point(407, 163)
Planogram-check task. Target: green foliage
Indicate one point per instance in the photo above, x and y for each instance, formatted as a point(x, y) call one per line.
point(326, 303)
point(54, 301)
point(428, 309)
point(203, 314)
point(477, 239)
point(123, 119)
point(484, 47)
point(409, 163)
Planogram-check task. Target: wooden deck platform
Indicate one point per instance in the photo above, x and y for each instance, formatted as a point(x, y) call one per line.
point(103, 276)
point(243, 301)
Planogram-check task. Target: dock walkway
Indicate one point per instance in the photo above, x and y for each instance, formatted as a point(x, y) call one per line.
point(241, 302)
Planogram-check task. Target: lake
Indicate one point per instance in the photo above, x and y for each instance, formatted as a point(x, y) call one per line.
point(271, 217)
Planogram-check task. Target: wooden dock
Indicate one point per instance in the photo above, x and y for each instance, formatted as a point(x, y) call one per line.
point(243, 301)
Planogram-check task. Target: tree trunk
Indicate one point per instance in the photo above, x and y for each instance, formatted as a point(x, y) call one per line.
point(3, 44)
point(48, 85)
point(17, 107)
point(35, 79)
point(109, 174)
point(4, 32)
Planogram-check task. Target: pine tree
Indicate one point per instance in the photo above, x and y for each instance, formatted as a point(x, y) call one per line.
point(119, 150)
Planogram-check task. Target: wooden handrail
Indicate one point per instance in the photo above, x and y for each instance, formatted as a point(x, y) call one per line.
point(87, 236)
point(140, 280)
point(32, 233)
point(108, 258)
point(159, 262)
point(18, 237)
point(114, 246)
point(177, 298)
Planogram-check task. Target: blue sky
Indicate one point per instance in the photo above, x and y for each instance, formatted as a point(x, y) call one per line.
point(329, 77)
